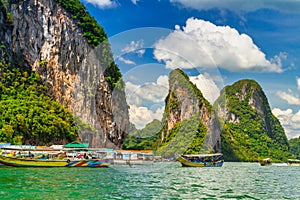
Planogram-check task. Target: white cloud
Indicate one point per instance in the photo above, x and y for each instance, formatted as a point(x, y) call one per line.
point(102, 3)
point(151, 92)
point(289, 120)
point(292, 99)
point(203, 44)
point(126, 61)
point(134, 47)
point(146, 101)
point(140, 116)
point(132, 99)
point(298, 83)
point(236, 5)
point(296, 118)
point(163, 81)
point(207, 86)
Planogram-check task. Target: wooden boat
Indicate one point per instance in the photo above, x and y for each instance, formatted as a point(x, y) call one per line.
point(32, 162)
point(202, 160)
point(293, 162)
point(49, 158)
point(265, 162)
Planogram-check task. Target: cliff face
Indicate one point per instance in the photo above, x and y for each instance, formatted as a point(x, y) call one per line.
point(185, 102)
point(5, 27)
point(250, 131)
point(45, 38)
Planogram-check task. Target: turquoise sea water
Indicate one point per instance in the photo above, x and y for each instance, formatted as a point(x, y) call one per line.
point(158, 181)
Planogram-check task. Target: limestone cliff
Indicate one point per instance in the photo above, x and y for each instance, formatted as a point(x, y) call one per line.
point(42, 36)
point(250, 130)
point(188, 116)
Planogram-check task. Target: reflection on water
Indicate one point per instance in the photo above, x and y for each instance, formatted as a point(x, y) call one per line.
point(159, 181)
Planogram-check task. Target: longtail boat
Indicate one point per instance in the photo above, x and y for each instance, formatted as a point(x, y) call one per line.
point(293, 162)
point(32, 162)
point(51, 158)
point(265, 162)
point(202, 160)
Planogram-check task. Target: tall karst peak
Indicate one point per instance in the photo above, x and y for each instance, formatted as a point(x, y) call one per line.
point(189, 124)
point(250, 128)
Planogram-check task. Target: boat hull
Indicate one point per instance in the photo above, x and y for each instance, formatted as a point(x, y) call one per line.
point(294, 164)
point(187, 163)
point(27, 162)
point(264, 163)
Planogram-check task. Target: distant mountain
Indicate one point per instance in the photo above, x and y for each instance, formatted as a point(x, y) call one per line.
point(145, 138)
point(295, 147)
point(189, 124)
point(250, 130)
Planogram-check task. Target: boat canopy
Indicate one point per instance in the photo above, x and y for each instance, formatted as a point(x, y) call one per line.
point(293, 161)
point(203, 155)
point(267, 159)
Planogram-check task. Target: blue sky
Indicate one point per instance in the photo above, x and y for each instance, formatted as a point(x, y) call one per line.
point(215, 42)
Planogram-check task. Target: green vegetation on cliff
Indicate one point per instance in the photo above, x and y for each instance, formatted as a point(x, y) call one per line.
point(251, 131)
point(28, 116)
point(186, 137)
point(188, 134)
point(295, 147)
point(91, 29)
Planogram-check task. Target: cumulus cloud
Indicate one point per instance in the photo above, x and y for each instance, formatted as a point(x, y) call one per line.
point(207, 86)
point(140, 116)
point(146, 101)
point(102, 3)
point(291, 98)
point(298, 83)
point(203, 44)
point(153, 92)
point(236, 5)
point(163, 81)
point(289, 120)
